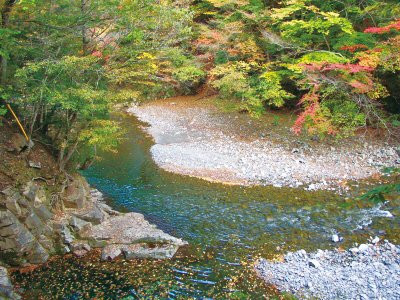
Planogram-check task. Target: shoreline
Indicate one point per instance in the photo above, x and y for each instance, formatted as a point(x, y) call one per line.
point(194, 138)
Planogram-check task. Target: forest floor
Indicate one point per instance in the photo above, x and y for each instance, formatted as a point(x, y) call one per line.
point(204, 137)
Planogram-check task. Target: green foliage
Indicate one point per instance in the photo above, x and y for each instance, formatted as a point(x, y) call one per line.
point(7, 41)
point(221, 57)
point(314, 27)
point(105, 135)
point(292, 47)
point(256, 92)
point(177, 57)
point(345, 115)
point(71, 83)
point(189, 77)
point(379, 193)
point(74, 62)
point(231, 79)
point(71, 61)
point(271, 89)
point(3, 110)
point(276, 120)
point(357, 38)
point(321, 57)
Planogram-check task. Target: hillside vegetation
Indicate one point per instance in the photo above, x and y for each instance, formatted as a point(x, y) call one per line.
point(66, 64)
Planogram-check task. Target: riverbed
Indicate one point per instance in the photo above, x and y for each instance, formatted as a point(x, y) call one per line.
point(227, 226)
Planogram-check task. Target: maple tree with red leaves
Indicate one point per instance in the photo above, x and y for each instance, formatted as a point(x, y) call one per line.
point(384, 29)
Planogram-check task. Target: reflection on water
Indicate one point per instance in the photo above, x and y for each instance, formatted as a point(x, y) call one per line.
point(227, 227)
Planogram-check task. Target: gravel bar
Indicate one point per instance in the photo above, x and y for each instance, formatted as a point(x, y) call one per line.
point(369, 271)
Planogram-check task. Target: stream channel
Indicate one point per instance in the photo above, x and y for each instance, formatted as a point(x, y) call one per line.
point(228, 227)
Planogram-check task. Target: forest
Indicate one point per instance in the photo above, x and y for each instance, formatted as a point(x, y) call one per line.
point(65, 64)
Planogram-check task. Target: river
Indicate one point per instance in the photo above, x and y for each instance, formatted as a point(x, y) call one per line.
point(228, 227)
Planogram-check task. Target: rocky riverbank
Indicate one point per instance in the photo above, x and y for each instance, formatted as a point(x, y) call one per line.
point(42, 215)
point(369, 271)
point(193, 137)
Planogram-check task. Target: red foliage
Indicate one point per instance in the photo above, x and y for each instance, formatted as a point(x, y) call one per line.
point(354, 48)
point(97, 54)
point(385, 29)
point(309, 111)
point(352, 68)
point(360, 87)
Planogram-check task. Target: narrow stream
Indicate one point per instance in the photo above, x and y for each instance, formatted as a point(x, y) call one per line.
point(227, 227)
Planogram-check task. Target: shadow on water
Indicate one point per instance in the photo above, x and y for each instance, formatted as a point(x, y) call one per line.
point(227, 227)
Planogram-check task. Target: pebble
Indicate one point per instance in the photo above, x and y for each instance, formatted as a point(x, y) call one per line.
point(354, 250)
point(335, 238)
point(375, 240)
point(314, 263)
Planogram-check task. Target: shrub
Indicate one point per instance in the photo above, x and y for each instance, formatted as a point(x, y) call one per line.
point(189, 78)
point(231, 79)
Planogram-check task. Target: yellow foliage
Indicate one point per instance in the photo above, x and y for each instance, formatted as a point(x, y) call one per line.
point(220, 3)
point(249, 49)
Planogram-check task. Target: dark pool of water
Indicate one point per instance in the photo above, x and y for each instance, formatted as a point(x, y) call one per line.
point(227, 227)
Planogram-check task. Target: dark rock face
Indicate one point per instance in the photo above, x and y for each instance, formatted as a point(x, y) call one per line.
point(23, 227)
point(30, 232)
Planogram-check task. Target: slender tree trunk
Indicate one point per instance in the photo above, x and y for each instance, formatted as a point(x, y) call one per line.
point(36, 109)
point(4, 62)
point(64, 159)
point(84, 29)
point(61, 158)
point(5, 15)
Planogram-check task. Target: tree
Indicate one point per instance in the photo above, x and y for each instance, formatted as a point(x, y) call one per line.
point(70, 61)
point(6, 37)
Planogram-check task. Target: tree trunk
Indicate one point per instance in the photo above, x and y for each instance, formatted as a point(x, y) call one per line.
point(84, 33)
point(5, 15)
point(64, 160)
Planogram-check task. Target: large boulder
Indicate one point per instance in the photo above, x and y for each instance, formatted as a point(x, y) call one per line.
point(25, 234)
point(14, 235)
point(130, 228)
point(18, 243)
point(94, 215)
point(11, 200)
point(77, 194)
point(64, 232)
point(79, 225)
point(133, 236)
point(79, 248)
point(43, 212)
point(110, 252)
